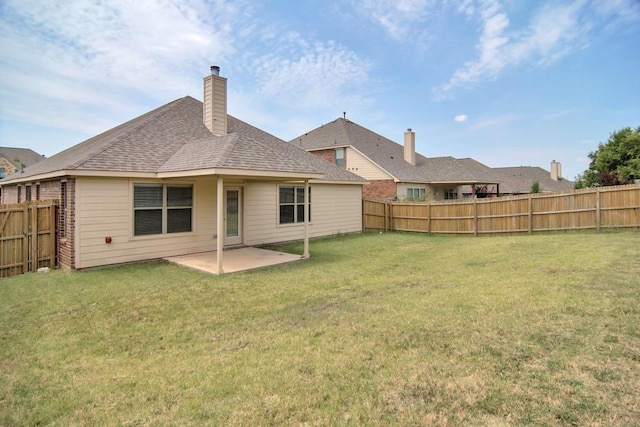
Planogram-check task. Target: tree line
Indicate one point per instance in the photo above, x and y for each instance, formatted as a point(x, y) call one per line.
point(615, 162)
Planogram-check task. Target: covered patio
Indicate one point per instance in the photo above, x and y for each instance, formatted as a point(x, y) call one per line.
point(234, 260)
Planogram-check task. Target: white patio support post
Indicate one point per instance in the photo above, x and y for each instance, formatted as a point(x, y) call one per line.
point(306, 219)
point(220, 223)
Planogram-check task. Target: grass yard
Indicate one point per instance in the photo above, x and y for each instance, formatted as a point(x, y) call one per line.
point(374, 329)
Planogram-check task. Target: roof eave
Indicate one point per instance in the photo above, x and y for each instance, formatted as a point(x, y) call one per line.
point(241, 172)
point(325, 181)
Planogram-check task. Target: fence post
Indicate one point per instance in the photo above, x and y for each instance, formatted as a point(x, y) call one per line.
point(34, 237)
point(429, 218)
point(530, 225)
point(53, 254)
point(598, 219)
point(25, 238)
point(475, 217)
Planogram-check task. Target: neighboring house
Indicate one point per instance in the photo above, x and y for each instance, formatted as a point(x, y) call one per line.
point(14, 160)
point(187, 178)
point(520, 179)
point(394, 170)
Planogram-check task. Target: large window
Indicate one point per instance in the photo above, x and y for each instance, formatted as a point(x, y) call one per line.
point(291, 203)
point(340, 157)
point(162, 208)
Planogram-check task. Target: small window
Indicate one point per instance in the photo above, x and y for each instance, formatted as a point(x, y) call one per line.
point(291, 201)
point(27, 193)
point(3, 172)
point(160, 209)
point(450, 194)
point(415, 193)
point(147, 206)
point(179, 203)
point(340, 157)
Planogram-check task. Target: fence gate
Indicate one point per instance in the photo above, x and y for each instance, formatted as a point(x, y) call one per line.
point(27, 237)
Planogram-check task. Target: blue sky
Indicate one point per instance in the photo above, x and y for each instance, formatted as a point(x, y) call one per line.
point(507, 83)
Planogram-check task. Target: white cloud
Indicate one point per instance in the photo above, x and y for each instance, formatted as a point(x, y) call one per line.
point(555, 30)
point(399, 18)
point(460, 118)
point(102, 62)
point(315, 76)
point(106, 62)
point(497, 121)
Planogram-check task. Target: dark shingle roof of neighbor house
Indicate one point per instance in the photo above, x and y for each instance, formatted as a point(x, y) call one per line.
point(173, 138)
point(389, 155)
point(519, 179)
point(21, 156)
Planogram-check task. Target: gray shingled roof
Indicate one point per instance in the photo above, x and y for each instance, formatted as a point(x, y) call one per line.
point(173, 138)
point(519, 179)
point(25, 156)
point(390, 155)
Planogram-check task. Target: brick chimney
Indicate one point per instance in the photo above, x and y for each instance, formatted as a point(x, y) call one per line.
point(214, 111)
point(410, 147)
point(556, 170)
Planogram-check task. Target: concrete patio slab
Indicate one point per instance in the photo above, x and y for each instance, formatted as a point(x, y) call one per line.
point(233, 260)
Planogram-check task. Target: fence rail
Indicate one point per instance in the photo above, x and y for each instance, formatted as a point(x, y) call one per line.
point(594, 208)
point(27, 237)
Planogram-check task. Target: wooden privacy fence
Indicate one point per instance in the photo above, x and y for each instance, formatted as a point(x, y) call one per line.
point(594, 208)
point(27, 237)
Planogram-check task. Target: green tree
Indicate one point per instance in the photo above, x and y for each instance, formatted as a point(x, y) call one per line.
point(535, 187)
point(615, 162)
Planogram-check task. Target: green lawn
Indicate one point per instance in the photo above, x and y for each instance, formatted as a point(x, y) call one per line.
point(374, 329)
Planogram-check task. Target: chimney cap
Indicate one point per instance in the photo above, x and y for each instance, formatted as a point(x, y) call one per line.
point(409, 130)
point(215, 70)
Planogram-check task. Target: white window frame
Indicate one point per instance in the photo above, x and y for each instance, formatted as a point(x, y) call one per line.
point(295, 204)
point(421, 192)
point(342, 164)
point(165, 208)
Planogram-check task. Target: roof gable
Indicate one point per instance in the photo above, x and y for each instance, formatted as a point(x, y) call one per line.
point(173, 138)
point(389, 155)
point(20, 156)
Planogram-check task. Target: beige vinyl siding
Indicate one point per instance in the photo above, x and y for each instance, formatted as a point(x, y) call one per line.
point(105, 209)
point(360, 165)
point(335, 209)
point(403, 186)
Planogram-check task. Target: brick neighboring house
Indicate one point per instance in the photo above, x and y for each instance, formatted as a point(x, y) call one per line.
point(14, 160)
point(187, 178)
point(394, 170)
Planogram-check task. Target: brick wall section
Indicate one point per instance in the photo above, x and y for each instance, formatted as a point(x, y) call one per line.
point(10, 195)
point(66, 225)
point(379, 189)
point(328, 155)
point(52, 190)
